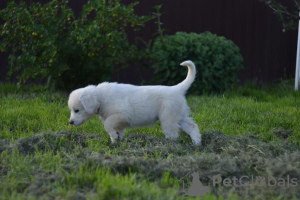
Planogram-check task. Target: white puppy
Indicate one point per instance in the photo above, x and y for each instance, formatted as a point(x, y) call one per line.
point(120, 106)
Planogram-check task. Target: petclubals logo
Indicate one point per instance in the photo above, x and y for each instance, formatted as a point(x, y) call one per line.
point(246, 181)
point(196, 188)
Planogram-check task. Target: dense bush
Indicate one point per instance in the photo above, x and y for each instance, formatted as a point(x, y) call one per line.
point(47, 40)
point(216, 58)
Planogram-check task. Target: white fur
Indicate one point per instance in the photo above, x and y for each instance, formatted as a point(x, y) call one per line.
point(120, 106)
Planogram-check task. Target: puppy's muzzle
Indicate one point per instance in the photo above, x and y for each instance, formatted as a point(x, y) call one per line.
point(71, 122)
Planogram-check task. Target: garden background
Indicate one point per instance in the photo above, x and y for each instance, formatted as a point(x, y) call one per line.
point(251, 130)
point(269, 53)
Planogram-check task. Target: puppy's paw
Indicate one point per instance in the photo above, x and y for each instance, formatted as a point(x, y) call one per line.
point(115, 138)
point(197, 140)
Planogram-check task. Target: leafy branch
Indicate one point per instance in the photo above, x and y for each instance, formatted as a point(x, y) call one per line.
point(157, 14)
point(287, 11)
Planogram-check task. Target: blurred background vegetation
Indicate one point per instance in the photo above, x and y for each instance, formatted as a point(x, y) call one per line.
point(50, 43)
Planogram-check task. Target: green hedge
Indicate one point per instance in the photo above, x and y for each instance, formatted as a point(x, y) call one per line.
point(47, 40)
point(216, 58)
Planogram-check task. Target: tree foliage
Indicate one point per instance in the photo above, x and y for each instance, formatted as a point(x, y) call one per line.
point(47, 40)
point(286, 10)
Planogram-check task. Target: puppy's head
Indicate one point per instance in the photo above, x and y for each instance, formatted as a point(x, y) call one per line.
point(83, 103)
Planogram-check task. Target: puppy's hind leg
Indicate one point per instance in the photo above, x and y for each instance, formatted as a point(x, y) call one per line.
point(188, 125)
point(169, 124)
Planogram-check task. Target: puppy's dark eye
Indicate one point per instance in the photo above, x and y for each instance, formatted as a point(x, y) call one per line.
point(76, 111)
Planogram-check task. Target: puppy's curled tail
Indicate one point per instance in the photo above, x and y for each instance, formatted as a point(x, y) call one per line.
point(186, 84)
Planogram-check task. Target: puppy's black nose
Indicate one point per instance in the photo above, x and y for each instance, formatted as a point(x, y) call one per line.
point(71, 122)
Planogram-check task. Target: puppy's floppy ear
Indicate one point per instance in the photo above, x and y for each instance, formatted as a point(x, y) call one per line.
point(90, 99)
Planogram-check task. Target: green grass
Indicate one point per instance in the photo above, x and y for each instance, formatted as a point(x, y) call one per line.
point(251, 131)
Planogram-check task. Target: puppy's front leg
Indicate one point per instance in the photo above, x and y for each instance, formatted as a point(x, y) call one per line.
point(114, 126)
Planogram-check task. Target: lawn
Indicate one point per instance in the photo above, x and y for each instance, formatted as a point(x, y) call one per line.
point(253, 132)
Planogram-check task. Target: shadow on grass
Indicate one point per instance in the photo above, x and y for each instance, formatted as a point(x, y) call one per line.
point(152, 156)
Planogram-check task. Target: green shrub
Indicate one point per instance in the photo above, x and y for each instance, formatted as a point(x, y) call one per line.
point(47, 40)
point(216, 58)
